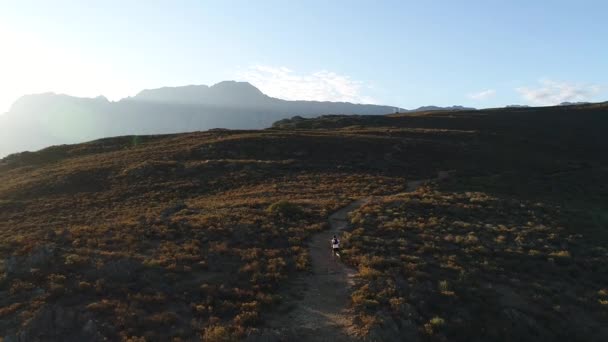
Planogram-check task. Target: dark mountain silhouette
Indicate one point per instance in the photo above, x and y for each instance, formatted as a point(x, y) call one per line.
point(573, 103)
point(227, 93)
point(37, 121)
point(436, 108)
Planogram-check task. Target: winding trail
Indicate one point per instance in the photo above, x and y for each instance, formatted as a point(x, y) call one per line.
point(321, 312)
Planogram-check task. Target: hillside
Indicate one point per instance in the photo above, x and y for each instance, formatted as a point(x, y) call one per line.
point(210, 235)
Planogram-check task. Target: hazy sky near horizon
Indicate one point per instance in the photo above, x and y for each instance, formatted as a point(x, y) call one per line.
point(403, 53)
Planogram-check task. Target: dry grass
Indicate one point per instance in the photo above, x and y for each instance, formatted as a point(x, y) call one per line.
point(484, 254)
point(194, 235)
point(151, 242)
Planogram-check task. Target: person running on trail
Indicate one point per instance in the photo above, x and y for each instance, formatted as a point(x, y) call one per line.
point(335, 245)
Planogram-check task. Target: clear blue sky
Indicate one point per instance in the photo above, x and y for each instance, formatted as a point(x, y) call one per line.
point(404, 53)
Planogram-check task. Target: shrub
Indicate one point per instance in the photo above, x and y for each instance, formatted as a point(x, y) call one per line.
point(7, 310)
point(302, 262)
point(560, 254)
point(21, 286)
point(285, 210)
point(75, 259)
point(444, 288)
point(219, 247)
point(433, 324)
point(84, 285)
point(102, 306)
point(368, 272)
point(437, 321)
point(217, 333)
point(397, 303)
point(247, 318)
point(163, 318)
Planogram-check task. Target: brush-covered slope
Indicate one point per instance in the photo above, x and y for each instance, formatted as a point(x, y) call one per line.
point(196, 236)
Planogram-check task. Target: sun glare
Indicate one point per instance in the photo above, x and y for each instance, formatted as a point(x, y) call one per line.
point(31, 64)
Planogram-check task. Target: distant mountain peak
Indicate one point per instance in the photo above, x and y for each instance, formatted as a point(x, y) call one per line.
point(231, 93)
point(236, 85)
point(233, 90)
point(435, 108)
point(573, 103)
point(42, 101)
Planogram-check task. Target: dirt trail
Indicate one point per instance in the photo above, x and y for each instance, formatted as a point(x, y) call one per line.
point(321, 312)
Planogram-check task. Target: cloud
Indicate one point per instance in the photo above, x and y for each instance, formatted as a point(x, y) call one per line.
point(555, 92)
point(323, 85)
point(482, 95)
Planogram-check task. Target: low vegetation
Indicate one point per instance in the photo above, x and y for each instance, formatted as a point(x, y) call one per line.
point(471, 266)
point(144, 243)
point(196, 236)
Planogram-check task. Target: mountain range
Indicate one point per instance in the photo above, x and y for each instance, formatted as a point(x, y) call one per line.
point(37, 121)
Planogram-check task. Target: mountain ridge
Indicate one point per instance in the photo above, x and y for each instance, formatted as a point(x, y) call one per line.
point(51, 119)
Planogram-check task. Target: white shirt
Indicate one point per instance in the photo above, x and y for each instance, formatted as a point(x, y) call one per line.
point(336, 244)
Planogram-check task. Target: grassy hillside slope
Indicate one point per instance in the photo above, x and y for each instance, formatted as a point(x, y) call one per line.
point(195, 235)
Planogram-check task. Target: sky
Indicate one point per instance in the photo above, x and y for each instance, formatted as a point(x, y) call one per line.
point(403, 53)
